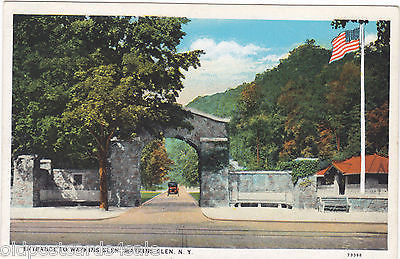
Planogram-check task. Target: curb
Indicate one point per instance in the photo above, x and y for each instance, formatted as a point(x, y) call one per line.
point(196, 203)
point(66, 219)
point(149, 200)
point(83, 219)
point(291, 221)
point(62, 219)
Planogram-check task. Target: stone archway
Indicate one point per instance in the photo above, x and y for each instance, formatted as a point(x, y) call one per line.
point(210, 139)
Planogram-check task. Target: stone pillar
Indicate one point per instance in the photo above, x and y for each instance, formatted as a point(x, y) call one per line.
point(124, 180)
point(25, 190)
point(213, 168)
point(305, 193)
point(233, 187)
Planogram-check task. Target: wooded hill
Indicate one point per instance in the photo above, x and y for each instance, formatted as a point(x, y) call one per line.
point(305, 107)
point(219, 104)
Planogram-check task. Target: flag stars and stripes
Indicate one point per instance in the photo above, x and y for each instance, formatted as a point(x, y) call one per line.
point(345, 42)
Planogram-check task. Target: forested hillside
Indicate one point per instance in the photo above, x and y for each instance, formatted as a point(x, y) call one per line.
point(219, 104)
point(305, 107)
point(76, 87)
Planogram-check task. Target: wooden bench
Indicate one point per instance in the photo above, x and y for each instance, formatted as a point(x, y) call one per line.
point(333, 204)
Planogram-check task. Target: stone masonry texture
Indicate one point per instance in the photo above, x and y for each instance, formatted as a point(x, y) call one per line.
point(261, 182)
point(124, 159)
point(23, 187)
point(305, 193)
point(214, 159)
point(366, 204)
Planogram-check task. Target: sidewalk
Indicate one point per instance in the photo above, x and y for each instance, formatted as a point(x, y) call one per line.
point(295, 215)
point(66, 213)
point(232, 214)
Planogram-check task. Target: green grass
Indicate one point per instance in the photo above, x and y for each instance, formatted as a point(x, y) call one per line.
point(147, 195)
point(195, 195)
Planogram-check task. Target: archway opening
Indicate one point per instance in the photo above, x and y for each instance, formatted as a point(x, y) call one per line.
point(185, 168)
point(169, 160)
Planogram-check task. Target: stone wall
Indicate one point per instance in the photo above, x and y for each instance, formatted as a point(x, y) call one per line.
point(35, 183)
point(263, 181)
point(64, 197)
point(62, 187)
point(273, 187)
point(260, 186)
point(64, 179)
point(367, 204)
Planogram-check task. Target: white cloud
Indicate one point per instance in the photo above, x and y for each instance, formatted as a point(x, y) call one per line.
point(225, 65)
point(370, 38)
point(274, 58)
point(214, 50)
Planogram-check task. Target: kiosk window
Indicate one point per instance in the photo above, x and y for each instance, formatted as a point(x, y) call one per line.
point(78, 179)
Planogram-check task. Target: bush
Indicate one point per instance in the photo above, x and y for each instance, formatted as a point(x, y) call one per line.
point(300, 169)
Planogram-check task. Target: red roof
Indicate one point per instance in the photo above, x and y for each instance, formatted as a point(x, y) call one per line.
point(322, 172)
point(374, 164)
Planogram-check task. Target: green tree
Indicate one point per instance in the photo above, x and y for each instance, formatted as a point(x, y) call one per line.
point(185, 162)
point(300, 101)
point(132, 83)
point(79, 81)
point(340, 114)
point(378, 130)
point(155, 164)
point(248, 124)
point(46, 54)
point(220, 104)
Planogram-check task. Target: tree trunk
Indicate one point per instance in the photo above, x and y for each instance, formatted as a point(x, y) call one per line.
point(103, 181)
point(337, 141)
point(258, 151)
point(103, 145)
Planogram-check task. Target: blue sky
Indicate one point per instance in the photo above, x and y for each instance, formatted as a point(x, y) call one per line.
point(236, 50)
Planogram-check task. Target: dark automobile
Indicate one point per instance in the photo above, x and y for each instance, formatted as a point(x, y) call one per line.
point(173, 188)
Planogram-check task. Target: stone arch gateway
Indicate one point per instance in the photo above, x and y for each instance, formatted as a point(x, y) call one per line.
point(209, 137)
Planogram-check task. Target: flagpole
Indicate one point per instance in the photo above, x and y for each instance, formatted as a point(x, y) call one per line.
point(362, 174)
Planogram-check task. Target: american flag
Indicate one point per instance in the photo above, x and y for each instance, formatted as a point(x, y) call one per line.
point(346, 41)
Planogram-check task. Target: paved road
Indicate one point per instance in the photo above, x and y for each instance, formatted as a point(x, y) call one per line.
point(174, 221)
